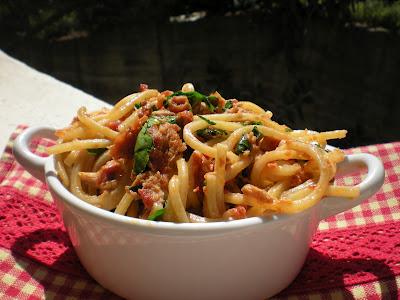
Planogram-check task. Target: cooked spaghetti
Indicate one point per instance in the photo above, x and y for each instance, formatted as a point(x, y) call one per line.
point(187, 157)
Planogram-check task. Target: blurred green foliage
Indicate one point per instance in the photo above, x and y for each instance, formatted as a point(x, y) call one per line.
point(378, 13)
point(51, 19)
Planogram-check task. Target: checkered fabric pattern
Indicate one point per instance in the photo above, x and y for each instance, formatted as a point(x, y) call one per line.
point(21, 278)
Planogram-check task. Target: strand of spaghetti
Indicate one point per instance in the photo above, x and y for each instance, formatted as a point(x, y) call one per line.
point(299, 191)
point(238, 117)
point(317, 154)
point(183, 175)
point(234, 138)
point(76, 185)
point(261, 161)
point(192, 141)
point(255, 211)
point(127, 106)
point(79, 132)
point(277, 171)
point(187, 87)
point(101, 161)
point(192, 199)
point(210, 208)
point(115, 196)
point(278, 188)
point(233, 170)
point(124, 100)
point(309, 135)
point(133, 210)
point(343, 191)
point(62, 171)
point(94, 126)
point(78, 145)
point(247, 105)
point(71, 158)
point(240, 199)
point(127, 123)
point(86, 166)
point(175, 200)
point(126, 200)
point(276, 126)
point(220, 164)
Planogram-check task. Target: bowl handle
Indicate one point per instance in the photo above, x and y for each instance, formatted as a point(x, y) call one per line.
point(369, 186)
point(33, 163)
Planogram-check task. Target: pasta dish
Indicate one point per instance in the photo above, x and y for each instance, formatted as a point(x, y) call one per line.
point(187, 157)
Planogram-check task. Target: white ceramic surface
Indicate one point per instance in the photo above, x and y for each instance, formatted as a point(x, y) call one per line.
point(253, 258)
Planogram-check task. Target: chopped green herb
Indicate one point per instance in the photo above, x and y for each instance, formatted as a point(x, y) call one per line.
point(156, 214)
point(209, 133)
point(207, 120)
point(228, 105)
point(243, 145)
point(96, 151)
point(138, 105)
point(135, 188)
point(196, 97)
point(257, 133)
point(246, 123)
point(287, 129)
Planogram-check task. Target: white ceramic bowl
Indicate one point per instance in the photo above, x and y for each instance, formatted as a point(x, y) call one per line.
point(252, 258)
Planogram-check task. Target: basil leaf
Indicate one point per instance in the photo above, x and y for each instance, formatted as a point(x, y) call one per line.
point(257, 133)
point(156, 214)
point(144, 142)
point(243, 145)
point(246, 123)
point(135, 188)
point(96, 151)
point(196, 97)
point(138, 105)
point(143, 146)
point(207, 120)
point(208, 133)
point(228, 105)
point(142, 156)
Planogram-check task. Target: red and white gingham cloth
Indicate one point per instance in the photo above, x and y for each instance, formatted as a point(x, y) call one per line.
point(21, 278)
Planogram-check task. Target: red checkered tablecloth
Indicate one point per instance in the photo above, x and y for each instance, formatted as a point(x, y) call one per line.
point(22, 278)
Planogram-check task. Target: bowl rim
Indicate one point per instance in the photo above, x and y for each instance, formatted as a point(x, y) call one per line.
point(64, 195)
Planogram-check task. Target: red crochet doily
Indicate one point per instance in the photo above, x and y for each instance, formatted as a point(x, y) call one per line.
point(337, 258)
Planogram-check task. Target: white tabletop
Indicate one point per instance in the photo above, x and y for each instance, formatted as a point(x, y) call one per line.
point(33, 98)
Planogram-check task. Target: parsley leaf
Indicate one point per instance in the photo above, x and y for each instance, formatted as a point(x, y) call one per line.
point(156, 214)
point(96, 151)
point(243, 145)
point(207, 120)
